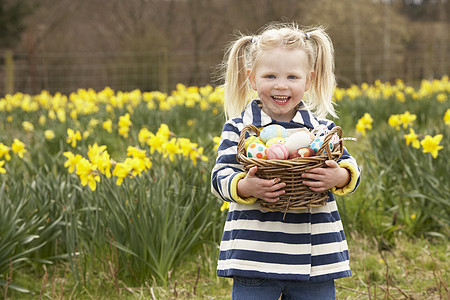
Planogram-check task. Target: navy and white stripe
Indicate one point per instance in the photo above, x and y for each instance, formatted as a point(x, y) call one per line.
point(304, 245)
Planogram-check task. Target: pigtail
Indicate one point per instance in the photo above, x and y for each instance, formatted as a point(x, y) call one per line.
point(324, 82)
point(237, 89)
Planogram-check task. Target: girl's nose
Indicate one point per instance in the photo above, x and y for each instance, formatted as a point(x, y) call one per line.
point(280, 85)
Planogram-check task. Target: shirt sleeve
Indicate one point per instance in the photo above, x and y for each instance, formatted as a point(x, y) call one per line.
point(227, 170)
point(348, 162)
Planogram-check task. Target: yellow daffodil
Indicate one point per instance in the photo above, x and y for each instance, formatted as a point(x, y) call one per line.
point(49, 134)
point(441, 97)
point(42, 120)
point(411, 138)
point(4, 152)
point(164, 131)
point(104, 164)
point(73, 137)
point(2, 170)
point(136, 152)
point(18, 147)
point(364, 123)
point(107, 125)
point(61, 114)
point(27, 126)
point(395, 121)
point(136, 165)
point(198, 153)
point(156, 142)
point(72, 161)
point(124, 125)
point(171, 148)
point(447, 117)
point(216, 141)
point(87, 173)
point(225, 206)
point(407, 119)
point(144, 136)
point(94, 151)
point(121, 171)
point(431, 144)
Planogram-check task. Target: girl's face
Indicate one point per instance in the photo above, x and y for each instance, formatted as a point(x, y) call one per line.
point(281, 78)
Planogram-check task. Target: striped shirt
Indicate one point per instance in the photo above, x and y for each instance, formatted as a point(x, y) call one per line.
point(307, 245)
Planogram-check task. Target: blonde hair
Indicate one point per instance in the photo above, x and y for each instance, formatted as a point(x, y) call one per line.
point(245, 52)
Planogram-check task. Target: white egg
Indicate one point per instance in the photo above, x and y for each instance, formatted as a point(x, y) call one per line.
point(298, 140)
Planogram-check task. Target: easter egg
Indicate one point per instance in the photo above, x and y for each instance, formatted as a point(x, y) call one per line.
point(303, 152)
point(318, 141)
point(298, 140)
point(251, 139)
point(277, 151)
point(273, 131)
point(320, 130)
point(257, 150)
point(275, 140)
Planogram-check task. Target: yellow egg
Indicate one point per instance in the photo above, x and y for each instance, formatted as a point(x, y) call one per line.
point(275, 140)
point(252, 139)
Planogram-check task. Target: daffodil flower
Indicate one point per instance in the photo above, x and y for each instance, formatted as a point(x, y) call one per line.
point(73, 137)
point(121, 171)
point(72, 161)
point(49, 134)
point(87, 173)
point(395, 121)
point(447, 117)
point(4, 152)
point(2, 170)
point(431, 144)
point(18, 147)
point(411, 138)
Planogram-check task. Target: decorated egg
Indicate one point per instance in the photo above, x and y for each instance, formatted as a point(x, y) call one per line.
point(298, 140)
point(275, 140)
point(320, 130)
point(273, 131)
point(277, 151)
point(252, 139)
point(257, 150)
point(318, 141)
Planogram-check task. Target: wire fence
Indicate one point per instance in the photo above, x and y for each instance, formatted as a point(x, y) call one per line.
point(67, 72)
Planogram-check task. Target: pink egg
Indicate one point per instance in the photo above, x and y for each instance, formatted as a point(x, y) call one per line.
point(277, 151)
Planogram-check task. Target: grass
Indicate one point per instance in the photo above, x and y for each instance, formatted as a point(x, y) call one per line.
point(405, 269)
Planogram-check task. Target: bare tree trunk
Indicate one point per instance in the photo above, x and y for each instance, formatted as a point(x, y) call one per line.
point(357, 40)
point(443, 37)
point(387, 41)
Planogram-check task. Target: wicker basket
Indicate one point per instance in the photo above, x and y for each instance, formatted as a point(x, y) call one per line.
point(297, 195)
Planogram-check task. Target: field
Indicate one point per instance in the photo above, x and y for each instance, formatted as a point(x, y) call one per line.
point(106, 194)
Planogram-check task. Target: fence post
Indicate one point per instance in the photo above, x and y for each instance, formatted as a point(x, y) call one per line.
point(163, 71)
point(9, 72)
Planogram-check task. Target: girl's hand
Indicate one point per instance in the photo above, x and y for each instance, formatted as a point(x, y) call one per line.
point(266, 189)
point(326, 178)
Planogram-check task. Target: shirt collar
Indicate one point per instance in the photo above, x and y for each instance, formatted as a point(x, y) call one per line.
point(253, 114)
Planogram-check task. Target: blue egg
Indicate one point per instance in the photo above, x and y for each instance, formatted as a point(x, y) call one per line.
point(273, 131)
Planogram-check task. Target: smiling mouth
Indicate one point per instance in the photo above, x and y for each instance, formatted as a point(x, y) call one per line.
point(281, 99)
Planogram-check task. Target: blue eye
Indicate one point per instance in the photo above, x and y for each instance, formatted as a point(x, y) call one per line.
point(270, 76)
point(292, 77)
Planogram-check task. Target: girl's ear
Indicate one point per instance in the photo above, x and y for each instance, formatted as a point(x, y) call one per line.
point(251, 78)
point(309, 80)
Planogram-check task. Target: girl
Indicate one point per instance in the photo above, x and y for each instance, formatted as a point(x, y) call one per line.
point(299, 256)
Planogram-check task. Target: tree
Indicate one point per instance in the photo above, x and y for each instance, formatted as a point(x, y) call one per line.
point(12, 15)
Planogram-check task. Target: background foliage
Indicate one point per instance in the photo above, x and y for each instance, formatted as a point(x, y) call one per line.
point(163, 217)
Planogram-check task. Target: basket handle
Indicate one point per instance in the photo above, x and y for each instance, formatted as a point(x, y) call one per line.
point(326, 145)
point(241, 144)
